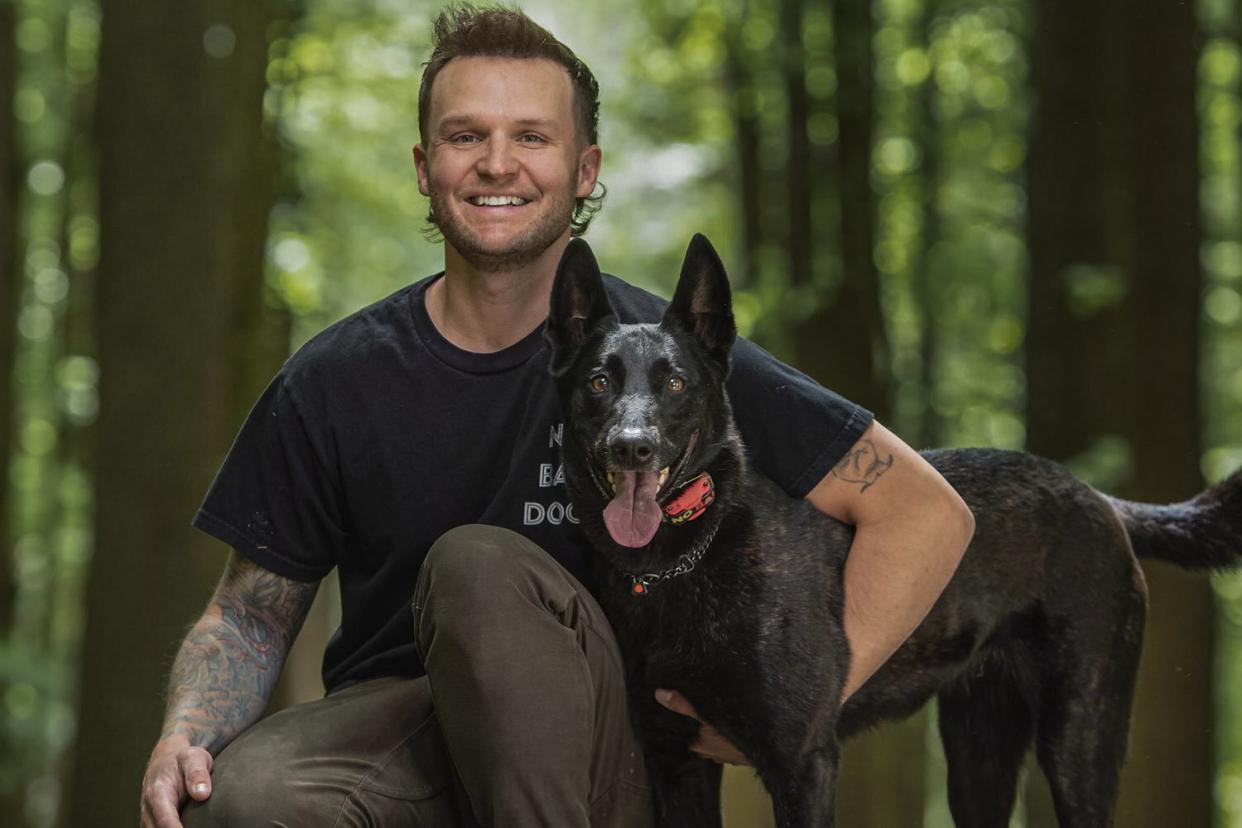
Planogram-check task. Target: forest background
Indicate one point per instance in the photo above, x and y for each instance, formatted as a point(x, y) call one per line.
point(1007, 223)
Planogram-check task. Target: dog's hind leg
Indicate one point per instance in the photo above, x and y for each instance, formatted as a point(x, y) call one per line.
point(1084, 722)
point(986, 726)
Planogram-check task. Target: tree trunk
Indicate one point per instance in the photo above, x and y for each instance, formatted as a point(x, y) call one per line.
point(1074, 233)
point(10, 285)
point(798, 172)
point(882, 772)
point(842, 342)
point(1174, 705)
point(930, 426)
point(184, 195)
point(11, 793)
point(739, 83)
point(1114, 334)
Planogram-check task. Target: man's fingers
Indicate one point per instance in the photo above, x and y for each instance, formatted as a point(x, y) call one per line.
point(160, 806)
point(196, 771)
point(710, 744)
point(677, 703)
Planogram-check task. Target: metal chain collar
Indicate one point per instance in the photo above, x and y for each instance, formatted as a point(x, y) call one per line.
point(640, 584)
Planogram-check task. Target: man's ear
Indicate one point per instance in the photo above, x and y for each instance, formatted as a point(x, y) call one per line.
point(420, 166)
point(588, 171)
point(578, 306)
point(703, 304)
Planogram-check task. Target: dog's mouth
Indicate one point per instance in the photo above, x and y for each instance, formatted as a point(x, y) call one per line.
point(633, 513)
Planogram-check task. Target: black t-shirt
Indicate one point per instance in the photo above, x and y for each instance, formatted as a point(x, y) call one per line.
point(379, 435)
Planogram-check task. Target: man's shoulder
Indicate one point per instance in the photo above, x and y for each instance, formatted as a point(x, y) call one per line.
point(351, 343)
point(632, 303)
point(636, 304)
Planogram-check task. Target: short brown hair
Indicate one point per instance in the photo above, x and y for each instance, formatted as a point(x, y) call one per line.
point(464, 30)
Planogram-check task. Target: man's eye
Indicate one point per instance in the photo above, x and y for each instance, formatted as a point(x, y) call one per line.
point(676, 384)
point(463, 138)
point(531, 138)
point(599, 383)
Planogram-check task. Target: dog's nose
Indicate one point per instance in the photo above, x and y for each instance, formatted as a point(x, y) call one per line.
point(632, 448)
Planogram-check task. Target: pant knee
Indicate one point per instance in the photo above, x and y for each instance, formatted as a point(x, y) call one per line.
point(477, 554)
point(476, 565)
point(246, 793)
point(479, 579)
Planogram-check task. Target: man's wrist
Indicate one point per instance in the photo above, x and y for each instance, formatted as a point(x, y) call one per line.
point(171, 741)
point(180, 735)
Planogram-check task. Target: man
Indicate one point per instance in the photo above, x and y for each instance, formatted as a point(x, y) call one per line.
point(395, 443)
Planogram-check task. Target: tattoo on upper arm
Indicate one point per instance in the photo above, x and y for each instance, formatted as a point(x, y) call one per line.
point(227, 667)
point(863, 465)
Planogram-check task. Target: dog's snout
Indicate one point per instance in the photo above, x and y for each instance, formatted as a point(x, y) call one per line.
point(632, 447)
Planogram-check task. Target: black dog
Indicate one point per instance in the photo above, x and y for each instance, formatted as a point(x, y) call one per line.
point(741, 609)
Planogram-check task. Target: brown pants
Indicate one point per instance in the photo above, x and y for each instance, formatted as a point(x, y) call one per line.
point(529, 725)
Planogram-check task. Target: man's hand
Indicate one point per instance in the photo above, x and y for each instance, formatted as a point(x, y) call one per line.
point(221, 682)
point(177, 770)
point(710, 744)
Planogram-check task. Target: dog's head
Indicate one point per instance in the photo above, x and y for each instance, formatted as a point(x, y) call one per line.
point(645, 405)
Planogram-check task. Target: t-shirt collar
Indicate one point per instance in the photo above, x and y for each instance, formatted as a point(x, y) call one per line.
point(469, 361)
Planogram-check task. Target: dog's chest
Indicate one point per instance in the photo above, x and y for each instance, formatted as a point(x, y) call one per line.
point(683, 630)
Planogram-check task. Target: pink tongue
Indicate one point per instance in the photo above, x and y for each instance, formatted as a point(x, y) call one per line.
point(633, 516)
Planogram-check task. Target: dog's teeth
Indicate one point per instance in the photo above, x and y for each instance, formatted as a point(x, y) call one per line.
point(612, 480)
point(663, 475)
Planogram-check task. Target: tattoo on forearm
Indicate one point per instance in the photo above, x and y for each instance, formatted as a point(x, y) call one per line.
point(863, 465)
point(224, 674)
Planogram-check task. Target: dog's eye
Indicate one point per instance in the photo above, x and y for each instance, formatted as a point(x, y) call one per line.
point(599, 383)
point(676, 384)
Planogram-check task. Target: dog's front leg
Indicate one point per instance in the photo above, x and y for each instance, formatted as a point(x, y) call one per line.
point(685, 788)
point(804, 795)
point(686, 791)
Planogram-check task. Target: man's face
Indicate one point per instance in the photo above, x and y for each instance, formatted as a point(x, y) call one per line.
point(504, 161)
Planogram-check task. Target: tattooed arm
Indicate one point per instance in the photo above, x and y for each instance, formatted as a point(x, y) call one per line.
point(222, 680)
point(911, 529)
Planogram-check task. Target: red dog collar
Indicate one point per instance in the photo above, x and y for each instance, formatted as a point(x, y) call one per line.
point(691, 501)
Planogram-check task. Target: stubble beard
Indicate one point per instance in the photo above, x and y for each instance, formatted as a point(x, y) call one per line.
point(525, 248)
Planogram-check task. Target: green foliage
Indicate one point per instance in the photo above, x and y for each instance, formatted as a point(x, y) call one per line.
point(676, 79)
point(1220, 73)
point(966, 63)
point(343, 95)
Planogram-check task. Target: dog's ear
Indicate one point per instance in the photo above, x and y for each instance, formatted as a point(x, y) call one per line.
point(702, 304)
point(578, 305)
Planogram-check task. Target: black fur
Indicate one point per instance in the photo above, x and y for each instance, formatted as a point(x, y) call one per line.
point(1035, 641)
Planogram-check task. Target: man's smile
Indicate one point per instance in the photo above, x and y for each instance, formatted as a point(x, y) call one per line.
point(497, 201)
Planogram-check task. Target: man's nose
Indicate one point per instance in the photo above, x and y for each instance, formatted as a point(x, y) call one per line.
point(498, 160)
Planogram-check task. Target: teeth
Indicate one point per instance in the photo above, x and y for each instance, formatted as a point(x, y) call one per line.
point(497, 201)
point(612, 478)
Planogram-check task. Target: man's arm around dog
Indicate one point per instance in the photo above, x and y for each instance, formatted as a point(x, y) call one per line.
point(911, 530)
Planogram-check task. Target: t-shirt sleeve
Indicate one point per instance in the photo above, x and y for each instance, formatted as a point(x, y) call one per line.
point(274, 499)
point(795, 429)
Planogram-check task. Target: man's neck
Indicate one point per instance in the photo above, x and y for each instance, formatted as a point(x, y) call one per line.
point(487, 311)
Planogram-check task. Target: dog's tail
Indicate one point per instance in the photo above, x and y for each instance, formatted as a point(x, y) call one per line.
point(1204, 532)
